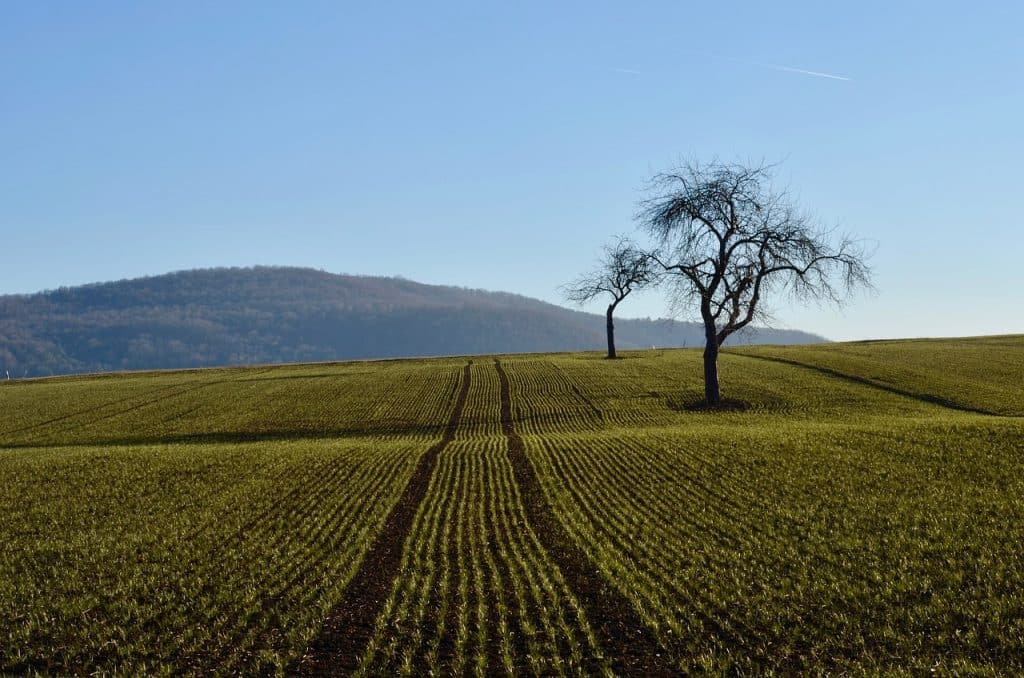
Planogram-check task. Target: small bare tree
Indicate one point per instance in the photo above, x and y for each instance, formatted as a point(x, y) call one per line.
point(727, 239)
point(623, 268)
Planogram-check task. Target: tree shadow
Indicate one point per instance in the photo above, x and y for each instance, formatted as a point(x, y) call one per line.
point(691, 404)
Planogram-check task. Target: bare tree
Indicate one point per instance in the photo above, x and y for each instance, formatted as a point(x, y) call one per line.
point(727, 239)
point(623, 268)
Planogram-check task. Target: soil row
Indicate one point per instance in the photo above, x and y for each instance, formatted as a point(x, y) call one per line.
point(629, 647)
point(348, 629)
point(626, 640)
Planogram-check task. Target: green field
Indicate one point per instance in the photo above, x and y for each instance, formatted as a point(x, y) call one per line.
point(542, 515)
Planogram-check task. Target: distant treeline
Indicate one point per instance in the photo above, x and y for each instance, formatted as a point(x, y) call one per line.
point(268, 314)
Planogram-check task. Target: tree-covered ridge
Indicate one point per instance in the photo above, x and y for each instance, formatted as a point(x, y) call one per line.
point(234, 316)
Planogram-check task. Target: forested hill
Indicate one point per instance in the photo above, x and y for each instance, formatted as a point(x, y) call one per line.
point(269, 314)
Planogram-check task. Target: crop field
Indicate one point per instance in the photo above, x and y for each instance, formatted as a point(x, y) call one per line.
point(862, 513)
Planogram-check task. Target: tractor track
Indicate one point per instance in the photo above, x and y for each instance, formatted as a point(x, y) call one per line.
point(627, 641)
point(342, 640)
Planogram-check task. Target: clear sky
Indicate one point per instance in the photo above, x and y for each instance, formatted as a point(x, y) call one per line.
point(497, 145)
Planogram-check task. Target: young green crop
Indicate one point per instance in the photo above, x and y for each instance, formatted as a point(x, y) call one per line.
point(807, 549)
point(408, 398)
point(980, 373)
point(480, 597)
point(165, 558)
point(478, 593)
point(857, 512)
point(180, 556)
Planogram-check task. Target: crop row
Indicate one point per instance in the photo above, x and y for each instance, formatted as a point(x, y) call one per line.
point(405, 399)
point(482, 415)
point(479, 594)
point(579, 393)
point(183, 558)
point(982, 373)
point(832, 526)
point(859, 549)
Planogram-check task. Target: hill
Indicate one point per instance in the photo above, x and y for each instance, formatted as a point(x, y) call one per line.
point(238, 316)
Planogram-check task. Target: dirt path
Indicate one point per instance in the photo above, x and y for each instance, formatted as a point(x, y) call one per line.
point(347, 631)
point(625, 638)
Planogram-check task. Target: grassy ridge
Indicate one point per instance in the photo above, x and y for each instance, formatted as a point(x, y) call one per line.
point(189, 521)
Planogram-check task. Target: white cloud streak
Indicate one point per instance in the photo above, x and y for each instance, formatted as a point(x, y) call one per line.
point(774, 67)
point(819, 74)
point(629, 71)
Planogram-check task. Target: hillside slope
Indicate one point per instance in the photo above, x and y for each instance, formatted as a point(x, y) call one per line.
point(981, 374)
point(237, 316)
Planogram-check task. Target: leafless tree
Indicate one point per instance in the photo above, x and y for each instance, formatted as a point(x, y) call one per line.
point(727, 239)
point(622, 269)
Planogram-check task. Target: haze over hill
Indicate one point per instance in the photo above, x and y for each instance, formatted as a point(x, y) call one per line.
point(238, 316)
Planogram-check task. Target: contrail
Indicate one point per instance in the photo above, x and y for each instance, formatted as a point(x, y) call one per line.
point(626, 70)
point(774, 67)
point(790, 69)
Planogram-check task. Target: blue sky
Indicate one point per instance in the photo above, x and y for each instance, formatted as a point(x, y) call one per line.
point(498, 145)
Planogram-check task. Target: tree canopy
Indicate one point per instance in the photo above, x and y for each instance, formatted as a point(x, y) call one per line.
point(726, 239)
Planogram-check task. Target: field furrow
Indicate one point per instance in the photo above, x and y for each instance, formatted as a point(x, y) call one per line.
point(347, 629)
point(479, 594)
point(981, 374)
point(852, 512)
point(233, 562)
point(620, 630)
point(233, 405)
point(766, 552)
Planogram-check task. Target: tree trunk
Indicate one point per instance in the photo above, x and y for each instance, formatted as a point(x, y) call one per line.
point(712, 395)
point(610, 327)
